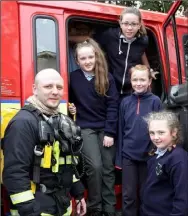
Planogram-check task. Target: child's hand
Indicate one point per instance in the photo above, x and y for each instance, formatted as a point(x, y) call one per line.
point(81, 207)
point(154, 73)
point(108, 141)
point(72, 109)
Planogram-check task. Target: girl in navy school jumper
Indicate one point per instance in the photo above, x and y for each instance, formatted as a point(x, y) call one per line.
point(93, 92)
point(125, 47)
point(166, 188)
point(133, 141)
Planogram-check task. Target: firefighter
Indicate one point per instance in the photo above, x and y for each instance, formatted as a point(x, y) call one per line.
point(41, 150)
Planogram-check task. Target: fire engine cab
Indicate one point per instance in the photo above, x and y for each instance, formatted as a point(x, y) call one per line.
point(34, 36)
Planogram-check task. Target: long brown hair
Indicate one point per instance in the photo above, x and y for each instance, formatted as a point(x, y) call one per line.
point(101, 67)
point(135, 11)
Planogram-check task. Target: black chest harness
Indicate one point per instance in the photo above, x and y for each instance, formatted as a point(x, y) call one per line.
point(57, 133)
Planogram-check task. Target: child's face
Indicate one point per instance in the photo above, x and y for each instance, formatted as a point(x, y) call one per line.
point(130, 25)
point(160, 134)
point(140, 81)
point(86, 58)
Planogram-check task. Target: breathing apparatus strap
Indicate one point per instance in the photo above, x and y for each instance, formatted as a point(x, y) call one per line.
point(38, 150)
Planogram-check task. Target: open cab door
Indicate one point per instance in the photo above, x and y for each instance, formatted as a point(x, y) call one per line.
point(176, 71)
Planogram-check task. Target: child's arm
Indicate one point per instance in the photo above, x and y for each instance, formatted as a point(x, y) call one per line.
point(102, 36)
point(112, 100)
point(178, 180)
point(71, 106)
point(145, 60)
point(119, 144)
point(112, 105)
point(72, 110)
point(157, 105)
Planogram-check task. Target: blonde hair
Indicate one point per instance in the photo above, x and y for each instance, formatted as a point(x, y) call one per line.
point(135, 11)
point(101, 67)
point(172, 122)
point(140, 67)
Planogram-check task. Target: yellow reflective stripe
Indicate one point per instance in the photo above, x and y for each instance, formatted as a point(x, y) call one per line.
point(46, 214)
point(68, 159)
point(62, 160)
point(14, 212)
point(69, 210)
point(75, 179)
point(33, 187)
point(22, 197)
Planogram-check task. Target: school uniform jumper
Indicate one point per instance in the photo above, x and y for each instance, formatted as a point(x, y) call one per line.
point(97, 116)
point(166, 188)
point(133, 145)
point(122, 55)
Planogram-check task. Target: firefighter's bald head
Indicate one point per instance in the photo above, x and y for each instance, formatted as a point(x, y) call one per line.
point(48, 87)
point(45, 74)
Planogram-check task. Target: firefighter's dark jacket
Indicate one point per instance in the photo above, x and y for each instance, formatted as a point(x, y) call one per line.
point(21, 136)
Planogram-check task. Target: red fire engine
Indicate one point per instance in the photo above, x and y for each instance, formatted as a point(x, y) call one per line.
point(34, 36)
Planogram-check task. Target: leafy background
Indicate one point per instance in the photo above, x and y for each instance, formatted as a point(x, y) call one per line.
point(161, 6)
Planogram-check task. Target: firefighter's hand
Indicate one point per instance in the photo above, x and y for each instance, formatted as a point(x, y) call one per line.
point(108, 141)
point(153, 74)
point(72, 109)
point(81, 207)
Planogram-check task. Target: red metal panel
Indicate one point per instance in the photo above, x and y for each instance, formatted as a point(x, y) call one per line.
point(94, 8)
point(10, 58)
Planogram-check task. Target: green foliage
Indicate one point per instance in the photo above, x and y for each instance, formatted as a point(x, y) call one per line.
point(126, 3)
point(161, 5)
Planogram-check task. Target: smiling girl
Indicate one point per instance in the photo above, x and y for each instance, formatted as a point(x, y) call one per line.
point(133, 137)
point(95, 98)
point(125, 47)
point(166, 188)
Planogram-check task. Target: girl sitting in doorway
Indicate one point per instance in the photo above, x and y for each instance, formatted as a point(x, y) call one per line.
point(95, 101)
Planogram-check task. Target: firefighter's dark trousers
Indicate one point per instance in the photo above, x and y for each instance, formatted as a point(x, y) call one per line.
point(100, 176)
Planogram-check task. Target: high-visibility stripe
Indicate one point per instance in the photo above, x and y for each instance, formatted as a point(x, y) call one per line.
point(46, 214)
point(33, 187)
point(22, 197)
point(69, 210)
point(62, 160)
point(14, 212)
point(68, 213)
point(75, 179)
point(68, 160)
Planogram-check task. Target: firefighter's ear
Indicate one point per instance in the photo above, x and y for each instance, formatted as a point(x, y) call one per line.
point(34, 89)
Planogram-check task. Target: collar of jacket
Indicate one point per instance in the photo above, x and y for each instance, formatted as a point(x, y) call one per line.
point(125, 39)
point(142, 95)
point(160, 152)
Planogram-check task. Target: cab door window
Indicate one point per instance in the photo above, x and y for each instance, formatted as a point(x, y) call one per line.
point(175, 49)
point(46, 54)
point(174, 77)
point(185, 48)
